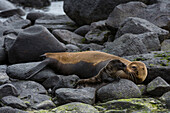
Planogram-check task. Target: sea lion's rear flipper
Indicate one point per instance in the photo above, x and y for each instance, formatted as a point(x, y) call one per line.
point(29, 74)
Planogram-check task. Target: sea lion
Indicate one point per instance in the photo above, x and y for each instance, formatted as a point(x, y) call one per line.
point(92, 66)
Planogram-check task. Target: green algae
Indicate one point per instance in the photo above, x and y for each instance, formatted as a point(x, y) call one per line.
point(134, 105)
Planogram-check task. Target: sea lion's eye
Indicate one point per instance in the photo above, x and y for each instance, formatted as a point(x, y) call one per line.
point(134, 67)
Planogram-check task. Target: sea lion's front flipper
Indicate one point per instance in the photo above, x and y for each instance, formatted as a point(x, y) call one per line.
point(36, 69)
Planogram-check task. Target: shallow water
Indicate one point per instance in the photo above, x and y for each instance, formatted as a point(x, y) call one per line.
point(55, 8)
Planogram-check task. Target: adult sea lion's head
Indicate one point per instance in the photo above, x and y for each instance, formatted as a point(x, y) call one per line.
point(137, 71)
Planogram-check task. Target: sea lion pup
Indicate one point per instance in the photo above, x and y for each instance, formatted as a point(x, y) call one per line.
point(92, 64)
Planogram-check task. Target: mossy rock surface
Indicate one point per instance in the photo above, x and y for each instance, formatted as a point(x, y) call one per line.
point(143, 105)
point(76, 107)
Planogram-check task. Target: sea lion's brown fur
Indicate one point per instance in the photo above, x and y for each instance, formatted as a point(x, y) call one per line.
point(91, 64)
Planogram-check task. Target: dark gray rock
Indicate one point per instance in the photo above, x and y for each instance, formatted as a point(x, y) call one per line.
point(142, 88)
point(3, 68)
point(97, 36)
point(72, 48)
point(91, 47)
point(88, 11)
point(165, 45)
point(11, 12)
point(9, 41)
point(127, 44)
point(17, 71)
point(3, 78)
point(17, 22)
point(67, 37)
point(76, 107)
point(83, 30)
point(157, 13)
point(47, 104)
point(53, 22)
point(3, 29)
point(3, 56)
point(67, 95)
point(118, 90)
point(7, 109)
point(61, 81)
point(157, 87)
point(136, 25)
point(14, 102)
point(166, 98)
point(8, 89)
point(98, 24)
point(157, 64)
point(25, 87)
point(32, 3)
point(41, 41)
point(31, 93)
point(4, 5)
point(150, 40)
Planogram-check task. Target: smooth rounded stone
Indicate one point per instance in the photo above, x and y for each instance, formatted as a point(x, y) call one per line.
point(166, 98)
point(142, 88)
point(32, 3)
point(83, 30)
point(17, 22)
point(13, 102)
point(98, 25)
point(72, 48)
point(9, 41)
point(3, 68)
point(157, 64)
point(76, 107)
point(8, 109)
point(165, 45)
point(47, 104)
point(98, 36)
point(30, 87)
point(67, 37)
point(4, 78)
point(136, 25)
point(3, 56)
point(11, 12)
point(88, 11)
point(118, 90)
point(8, 89)
point(34, 99)
point(127, 44)
point(158, 87)
point(157, 13)
point(4, 5)
point(67, 95)
point(41, 41)
point(61, 81)
point(90, 47)
point(53, 22)
point(31, 93)
point(17, 71)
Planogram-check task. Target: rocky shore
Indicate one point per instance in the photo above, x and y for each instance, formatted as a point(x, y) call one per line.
point(138, 30)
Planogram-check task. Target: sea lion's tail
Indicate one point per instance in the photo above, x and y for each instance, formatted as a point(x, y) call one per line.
point(29, 74)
